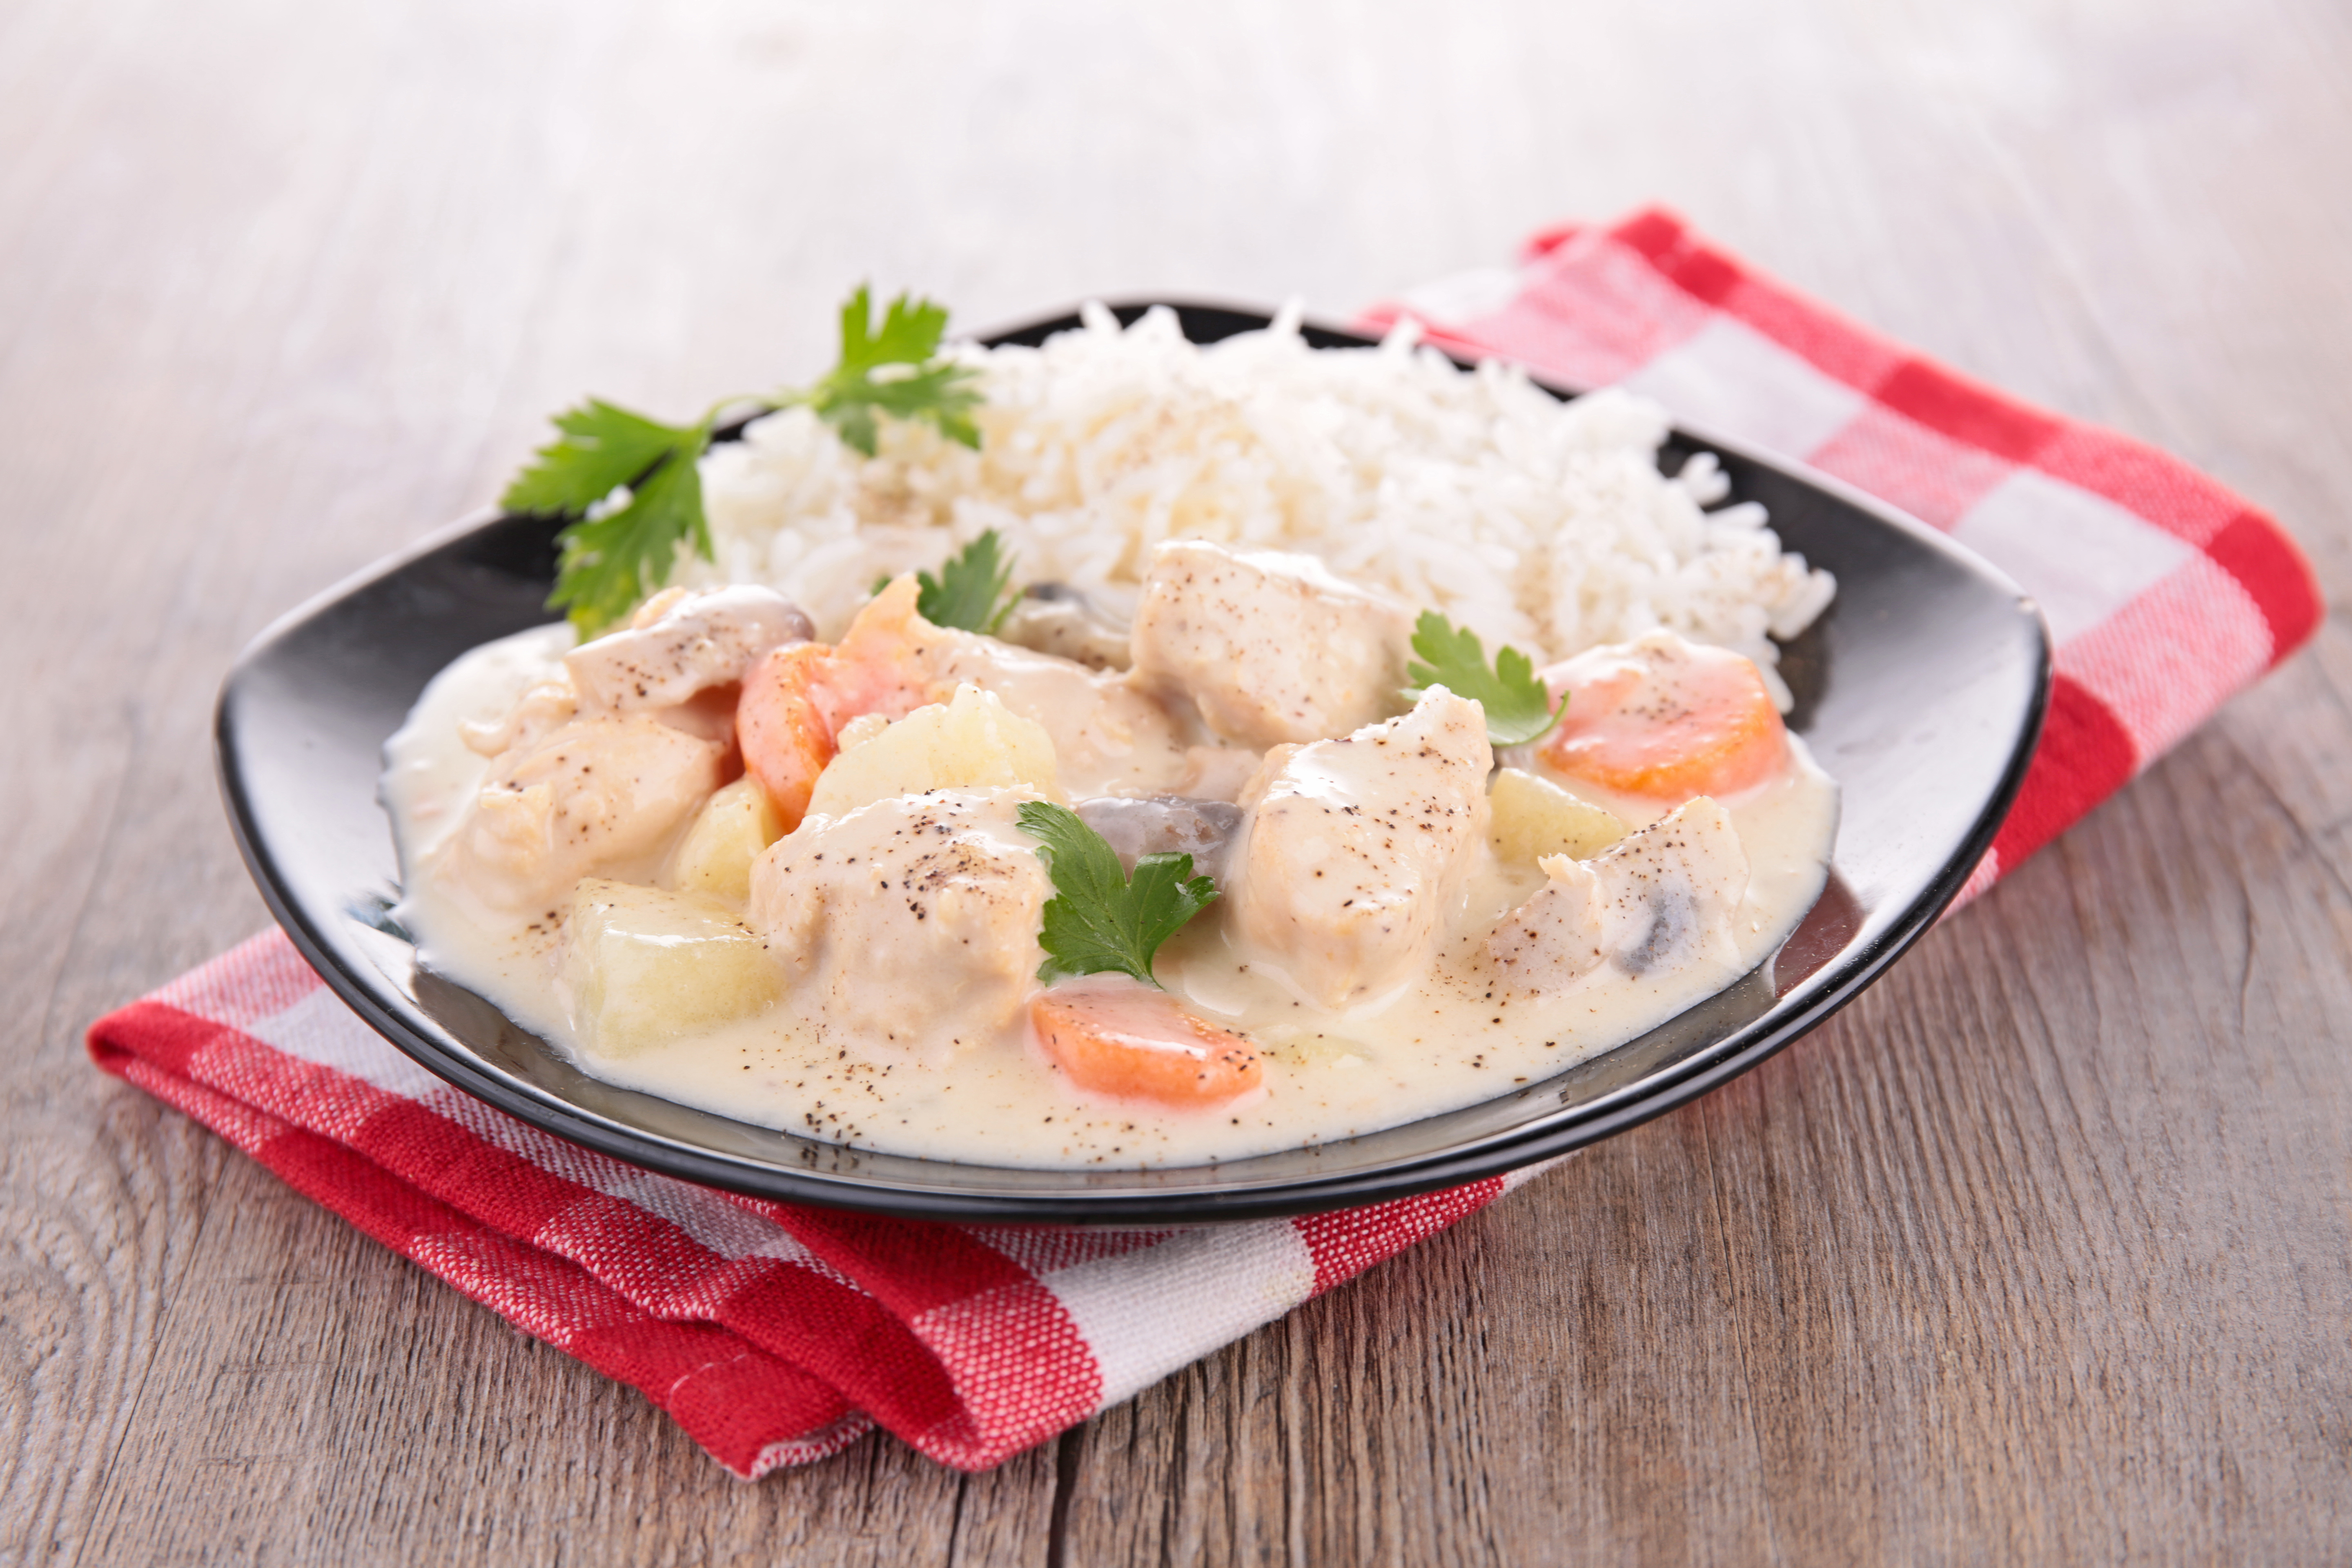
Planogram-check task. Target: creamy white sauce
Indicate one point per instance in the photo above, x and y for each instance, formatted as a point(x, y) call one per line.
point(1454, 1039)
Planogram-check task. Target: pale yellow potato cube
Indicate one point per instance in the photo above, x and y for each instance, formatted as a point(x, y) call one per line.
point(714, 857)
point(1535, 817)
point(644, 968)
point(972, 742)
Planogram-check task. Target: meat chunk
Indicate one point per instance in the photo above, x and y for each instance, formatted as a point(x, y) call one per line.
point(1663, 899)
point(544, 707)
point(592, 795)
point(682, 643)
point(909, 924)
point(1353, 849)
point(1270, 648)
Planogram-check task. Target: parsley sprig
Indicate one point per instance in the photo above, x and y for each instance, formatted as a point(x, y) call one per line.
point(971, 592)
point(1518, 706)
point(895, 371)
point(610, 559)
point(613, 556)
point(1100, 920)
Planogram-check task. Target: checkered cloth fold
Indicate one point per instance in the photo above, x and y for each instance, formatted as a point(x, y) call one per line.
point(776, 1334)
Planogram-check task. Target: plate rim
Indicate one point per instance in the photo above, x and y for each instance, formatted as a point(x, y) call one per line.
point(1606, 1116)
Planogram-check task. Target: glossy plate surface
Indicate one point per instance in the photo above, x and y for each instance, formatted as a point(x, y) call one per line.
point(1921, 691)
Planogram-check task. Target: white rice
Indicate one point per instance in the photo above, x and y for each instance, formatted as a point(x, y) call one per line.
point(1537, 523)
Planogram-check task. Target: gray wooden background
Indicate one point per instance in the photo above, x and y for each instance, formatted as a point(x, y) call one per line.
point(2038, 1253)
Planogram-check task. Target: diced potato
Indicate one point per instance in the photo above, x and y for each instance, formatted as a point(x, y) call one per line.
point(1535, 817)
point(972, 742)
point(647, 967)
point(714, 857)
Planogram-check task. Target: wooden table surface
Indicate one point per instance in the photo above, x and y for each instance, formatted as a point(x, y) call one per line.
point(2038, 1253)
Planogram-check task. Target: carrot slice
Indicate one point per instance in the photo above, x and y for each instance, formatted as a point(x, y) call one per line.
point(1121, 1038)
point(797, 698)
point(882, 665)
point(786, 737)
point(1666, 719)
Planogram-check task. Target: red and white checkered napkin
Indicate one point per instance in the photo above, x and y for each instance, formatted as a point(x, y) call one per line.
point(777, 1334)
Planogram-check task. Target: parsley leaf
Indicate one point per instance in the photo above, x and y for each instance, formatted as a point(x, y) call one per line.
point(612, 561)
point(892, 372)
point(1519, 707)
point(602, 447)
point(969, 594)
point(1100, 920)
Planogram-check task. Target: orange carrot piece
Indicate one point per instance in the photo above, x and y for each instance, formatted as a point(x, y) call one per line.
point(1665, 720)
point(797, 698)
point(786, 737)
point(1125, 1038)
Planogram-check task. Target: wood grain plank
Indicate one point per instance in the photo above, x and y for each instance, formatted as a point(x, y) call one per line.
point(2039, 1252)
point(342, 1400)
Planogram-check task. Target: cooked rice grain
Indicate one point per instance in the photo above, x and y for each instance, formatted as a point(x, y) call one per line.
point(1537, 523)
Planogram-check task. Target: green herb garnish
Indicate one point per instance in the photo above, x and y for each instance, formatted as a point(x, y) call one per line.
point(614, 558)
point(1519, 707)
point(970, 593)
point(1100, 920)
point(893, 371)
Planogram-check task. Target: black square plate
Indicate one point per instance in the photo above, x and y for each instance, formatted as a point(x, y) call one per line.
point(1921, 690)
